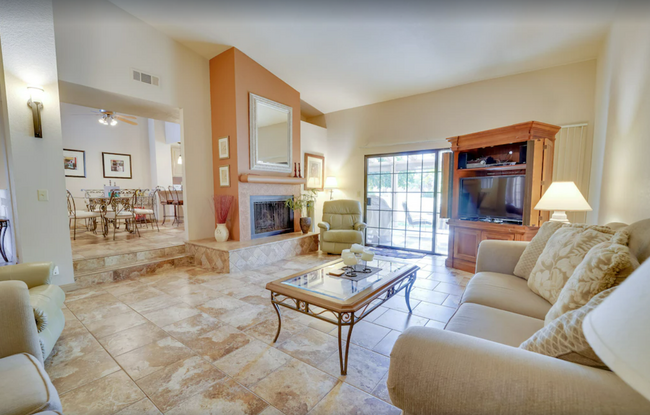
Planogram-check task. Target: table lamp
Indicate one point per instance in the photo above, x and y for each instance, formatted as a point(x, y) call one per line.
point(331, 184)
point(561, 197)
point(619, 332)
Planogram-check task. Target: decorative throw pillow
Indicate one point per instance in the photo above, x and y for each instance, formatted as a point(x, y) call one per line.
point(563, 337)
point(606, 265)
point(565, 250)
point(534, 249)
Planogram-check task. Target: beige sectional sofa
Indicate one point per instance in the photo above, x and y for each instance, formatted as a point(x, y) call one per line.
point(475, 366)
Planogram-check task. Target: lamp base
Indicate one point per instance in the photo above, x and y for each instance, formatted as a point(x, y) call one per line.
point(559, 216)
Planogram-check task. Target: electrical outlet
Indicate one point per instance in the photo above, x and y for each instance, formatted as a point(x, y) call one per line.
point(42, 195)
point(56, 270)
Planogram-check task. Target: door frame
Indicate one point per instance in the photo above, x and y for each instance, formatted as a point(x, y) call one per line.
point(437, 151)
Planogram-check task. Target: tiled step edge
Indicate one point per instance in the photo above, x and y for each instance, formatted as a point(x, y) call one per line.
point(99, 263)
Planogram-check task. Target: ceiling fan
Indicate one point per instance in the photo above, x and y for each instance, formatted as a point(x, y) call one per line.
point(111, 118)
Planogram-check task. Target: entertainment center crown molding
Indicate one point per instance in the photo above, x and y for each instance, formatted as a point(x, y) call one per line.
point(234, 78)
point(528, 149)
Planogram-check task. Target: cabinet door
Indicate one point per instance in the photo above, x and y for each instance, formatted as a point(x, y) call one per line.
point(499, 236)
point(466, 244)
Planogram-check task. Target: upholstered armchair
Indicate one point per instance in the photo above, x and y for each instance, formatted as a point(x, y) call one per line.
point(45, 299)
point(342, 226)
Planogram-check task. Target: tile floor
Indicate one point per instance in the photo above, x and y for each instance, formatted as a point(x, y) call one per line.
point(92, 245)
point(189, 341)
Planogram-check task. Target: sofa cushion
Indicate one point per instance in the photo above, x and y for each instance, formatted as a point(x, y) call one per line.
point(564, 251)
point(493, 324)
point(25, 388)
point(534, 249)
point(564, 338)
point(505, 292)
point(606, 265)
point(343, 236)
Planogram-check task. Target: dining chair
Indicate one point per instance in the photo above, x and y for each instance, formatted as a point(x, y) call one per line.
point(145, 207)
point(74, 214)
point(165, 198)
point(177, 200)
point(122, 209)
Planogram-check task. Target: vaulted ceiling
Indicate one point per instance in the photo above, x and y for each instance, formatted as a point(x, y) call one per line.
point(341, 55)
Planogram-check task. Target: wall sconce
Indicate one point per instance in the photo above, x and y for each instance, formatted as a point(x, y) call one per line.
point(36, 104)
point(180, 160)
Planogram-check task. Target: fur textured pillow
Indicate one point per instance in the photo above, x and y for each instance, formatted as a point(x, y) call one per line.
point(606, 265)
point(565, 250)
point(535, 248)
point(563, 337)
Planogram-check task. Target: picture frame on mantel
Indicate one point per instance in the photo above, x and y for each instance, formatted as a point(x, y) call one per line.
point(314, 172)
point(224, 147)
point(224, 176)
point(74, 163)
point(117, 166)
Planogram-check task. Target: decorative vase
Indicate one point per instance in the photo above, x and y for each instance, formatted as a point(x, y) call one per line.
point(305, 224)
point(221, 234)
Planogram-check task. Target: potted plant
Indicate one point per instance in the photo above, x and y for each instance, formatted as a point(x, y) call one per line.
point(304, 202)
point(222, 205)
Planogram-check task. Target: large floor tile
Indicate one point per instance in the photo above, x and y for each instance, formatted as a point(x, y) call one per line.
point(429, 296)
point(310, 346)
point(170, 386)
point(222, 305)
point(266, 330)
point(381, 390)
point(218, 343)
point(365, 368)
point(385, 346)
point(132, 338)
point(248, 316)
point(141, 362)
point(224, 397)
point(251, 363)
point(398, 320)
point(170, 314)
point(81, 370)
point(450, 288)
point(154, 303)
point(103, 396)
point(295, 388)
point(142, 407)
point(192, 327)
point(434, 311)
point(399, 303)
point(72, 347)
point(363, 334)
point(115, 323)
point(345, 399)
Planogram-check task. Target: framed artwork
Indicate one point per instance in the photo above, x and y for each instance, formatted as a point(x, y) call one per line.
point(224, 148)
point(224, 176)
point(74, 163)
point(117, 166)
point(314, 172)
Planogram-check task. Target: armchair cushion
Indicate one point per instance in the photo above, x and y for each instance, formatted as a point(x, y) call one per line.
point(18, 333)
point(33, 274)
point(342, 214)
point(343, 236)
point(505, 292)
point(25, 387)
point(324, 226)
point(49, 299)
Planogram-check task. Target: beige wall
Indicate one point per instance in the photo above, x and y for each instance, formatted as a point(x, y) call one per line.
point(314, 141)
point(620, 174)
point(97, 45)
point(560, 95)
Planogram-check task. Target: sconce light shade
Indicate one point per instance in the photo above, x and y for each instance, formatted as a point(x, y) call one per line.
point(180, 160)
point(36, 103)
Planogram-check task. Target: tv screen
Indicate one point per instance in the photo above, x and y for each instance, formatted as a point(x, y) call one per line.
point(499, 197)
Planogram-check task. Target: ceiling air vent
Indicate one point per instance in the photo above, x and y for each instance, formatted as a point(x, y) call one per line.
point(145, 78)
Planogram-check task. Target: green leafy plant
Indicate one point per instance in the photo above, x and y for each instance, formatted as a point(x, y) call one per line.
point(305, 200)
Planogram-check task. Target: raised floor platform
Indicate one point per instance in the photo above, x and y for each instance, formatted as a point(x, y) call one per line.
point(236, 256)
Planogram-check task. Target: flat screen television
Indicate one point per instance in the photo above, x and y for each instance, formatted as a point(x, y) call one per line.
point(494, 197)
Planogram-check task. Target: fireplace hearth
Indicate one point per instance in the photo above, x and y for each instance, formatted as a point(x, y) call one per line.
point(270, 216)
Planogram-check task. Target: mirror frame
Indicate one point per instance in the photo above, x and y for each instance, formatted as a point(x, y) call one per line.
point(260, 165)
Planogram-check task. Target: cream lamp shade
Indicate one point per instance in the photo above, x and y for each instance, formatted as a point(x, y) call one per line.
point(560, 197)
point(331, 183)
point(619, 331)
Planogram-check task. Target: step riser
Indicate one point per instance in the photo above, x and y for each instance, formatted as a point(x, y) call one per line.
point(137, 270)
point(88, 265)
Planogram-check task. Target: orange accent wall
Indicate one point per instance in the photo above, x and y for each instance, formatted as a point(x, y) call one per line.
point(233, 76)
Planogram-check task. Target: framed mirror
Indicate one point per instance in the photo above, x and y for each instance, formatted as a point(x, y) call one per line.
point(271, 135)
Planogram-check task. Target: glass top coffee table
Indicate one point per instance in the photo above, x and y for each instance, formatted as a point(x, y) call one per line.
point(340, 300)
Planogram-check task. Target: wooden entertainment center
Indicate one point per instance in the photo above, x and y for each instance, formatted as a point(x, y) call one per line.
point(524, 149)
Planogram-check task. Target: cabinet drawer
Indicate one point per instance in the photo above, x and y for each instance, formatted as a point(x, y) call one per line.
point(466, 244)
point(486, 235)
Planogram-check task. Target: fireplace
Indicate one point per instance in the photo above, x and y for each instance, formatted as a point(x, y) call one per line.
point(269, 216)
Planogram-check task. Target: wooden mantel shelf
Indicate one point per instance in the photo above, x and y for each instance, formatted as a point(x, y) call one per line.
point(254, 178)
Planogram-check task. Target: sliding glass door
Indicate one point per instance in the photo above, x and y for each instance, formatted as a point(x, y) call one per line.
point(403, 202)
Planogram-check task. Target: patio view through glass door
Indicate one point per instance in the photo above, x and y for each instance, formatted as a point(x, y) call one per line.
point(403, 202)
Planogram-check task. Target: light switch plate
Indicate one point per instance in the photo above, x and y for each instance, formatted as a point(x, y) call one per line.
point(42, 195)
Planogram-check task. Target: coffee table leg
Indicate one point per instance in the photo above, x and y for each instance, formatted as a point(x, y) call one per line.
point(343, 361)
point(277, 310)
point(407, 295)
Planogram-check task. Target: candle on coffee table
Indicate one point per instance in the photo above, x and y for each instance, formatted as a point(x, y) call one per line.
point(357, 249)
point(368, 256)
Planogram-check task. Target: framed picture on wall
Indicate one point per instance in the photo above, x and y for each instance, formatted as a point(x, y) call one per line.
point(314, 172)
point(224, 148)
point(74, 163)
point(224, 176)
point(117, 166)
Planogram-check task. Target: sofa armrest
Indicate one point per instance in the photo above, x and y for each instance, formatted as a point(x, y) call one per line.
point(359, 226)
point(441, 372)
point(33, 274)
point(17, 323)
point(499, 256)
point(324, 226)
